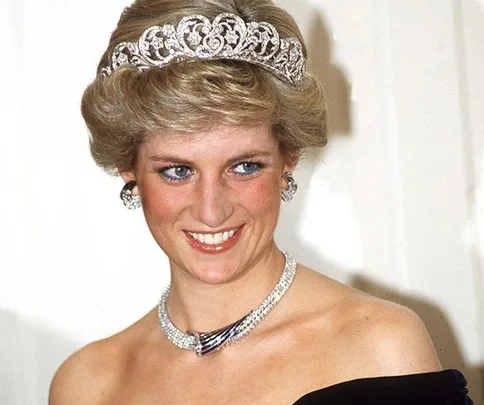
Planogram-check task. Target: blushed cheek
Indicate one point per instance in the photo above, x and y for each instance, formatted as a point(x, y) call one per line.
point(262, 196)
point(161, 206)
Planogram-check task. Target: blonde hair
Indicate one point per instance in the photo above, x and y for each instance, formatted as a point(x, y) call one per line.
point(194, 95)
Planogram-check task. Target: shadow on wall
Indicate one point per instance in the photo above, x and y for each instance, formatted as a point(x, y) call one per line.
point(439, 328)
point(339, 124)
point(336, 86)
point(320, 47)
point(29, 357)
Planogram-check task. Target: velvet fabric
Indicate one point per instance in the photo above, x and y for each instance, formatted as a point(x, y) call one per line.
point(446, 387)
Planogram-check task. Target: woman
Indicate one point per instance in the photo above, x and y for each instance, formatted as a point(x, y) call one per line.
point(204, 108)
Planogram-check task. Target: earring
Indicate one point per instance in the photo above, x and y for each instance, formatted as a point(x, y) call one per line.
point(287, 194)
point(130, 201)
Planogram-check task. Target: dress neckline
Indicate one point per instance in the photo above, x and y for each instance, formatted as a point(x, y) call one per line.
point(398, 382)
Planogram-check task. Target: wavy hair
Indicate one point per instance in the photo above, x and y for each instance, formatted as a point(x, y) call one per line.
point(195, 95)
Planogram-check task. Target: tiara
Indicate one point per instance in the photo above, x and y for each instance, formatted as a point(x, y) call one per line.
point(227, 37)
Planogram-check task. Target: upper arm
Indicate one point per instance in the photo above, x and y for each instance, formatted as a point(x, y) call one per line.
point(63, 389)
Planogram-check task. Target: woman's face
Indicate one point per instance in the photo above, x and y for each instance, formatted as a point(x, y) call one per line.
point(212, 199)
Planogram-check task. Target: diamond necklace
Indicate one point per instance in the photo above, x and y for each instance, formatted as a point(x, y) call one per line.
point(203, 343)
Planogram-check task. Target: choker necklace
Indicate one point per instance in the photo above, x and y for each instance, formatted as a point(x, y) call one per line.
point(203, 343)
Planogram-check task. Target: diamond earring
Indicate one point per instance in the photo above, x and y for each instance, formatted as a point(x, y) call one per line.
point(130, 201)
point(287, 194)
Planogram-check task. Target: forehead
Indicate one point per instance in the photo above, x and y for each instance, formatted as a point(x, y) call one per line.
point(223, 141)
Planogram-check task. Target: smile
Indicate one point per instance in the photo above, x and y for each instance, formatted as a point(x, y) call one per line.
point(213, 238)
point(213, 243)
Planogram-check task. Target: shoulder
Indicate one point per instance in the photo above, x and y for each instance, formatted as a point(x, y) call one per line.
point(370, 336)
point(385, 338)
point(87, 375)
point(95, 373)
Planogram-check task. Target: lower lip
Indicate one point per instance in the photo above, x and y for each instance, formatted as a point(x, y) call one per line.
point(213, 249)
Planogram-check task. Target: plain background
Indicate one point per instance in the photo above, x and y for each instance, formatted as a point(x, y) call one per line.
point(394, 205)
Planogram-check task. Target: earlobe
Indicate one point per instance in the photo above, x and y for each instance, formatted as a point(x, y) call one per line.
point(290, 161)
point(289, 167)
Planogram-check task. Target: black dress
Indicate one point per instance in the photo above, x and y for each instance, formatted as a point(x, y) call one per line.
point(446, 387)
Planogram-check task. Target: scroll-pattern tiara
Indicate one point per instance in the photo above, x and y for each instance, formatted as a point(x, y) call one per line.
point(226, 37)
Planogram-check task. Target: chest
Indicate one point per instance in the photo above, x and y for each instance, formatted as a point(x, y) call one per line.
point(250, 379)
point(214, 393)
point(261, 370)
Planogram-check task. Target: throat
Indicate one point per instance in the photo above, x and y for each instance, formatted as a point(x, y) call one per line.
point(206, 342)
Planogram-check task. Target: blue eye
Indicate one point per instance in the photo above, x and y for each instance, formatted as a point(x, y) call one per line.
point(246, 168)
point(176, 173)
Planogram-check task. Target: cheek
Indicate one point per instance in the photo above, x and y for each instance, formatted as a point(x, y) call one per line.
point(161, 203)
point(164, 204)
point(262, 195)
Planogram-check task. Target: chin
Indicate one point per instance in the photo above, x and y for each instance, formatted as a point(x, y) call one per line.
point(215, 274)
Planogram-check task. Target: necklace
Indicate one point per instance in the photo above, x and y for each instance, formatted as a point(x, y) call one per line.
point(203, 343)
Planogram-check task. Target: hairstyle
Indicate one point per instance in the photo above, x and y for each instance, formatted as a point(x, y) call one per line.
point(194, 95)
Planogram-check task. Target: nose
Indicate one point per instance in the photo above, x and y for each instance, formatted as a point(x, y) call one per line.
point(213, 203)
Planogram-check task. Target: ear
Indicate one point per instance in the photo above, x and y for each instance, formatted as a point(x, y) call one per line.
point(128, 176)
point(290, 162)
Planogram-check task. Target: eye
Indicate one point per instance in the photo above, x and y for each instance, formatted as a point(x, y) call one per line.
point(246, 168)
point(176, 173)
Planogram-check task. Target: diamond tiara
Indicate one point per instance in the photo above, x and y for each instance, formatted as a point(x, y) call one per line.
point(226, 37)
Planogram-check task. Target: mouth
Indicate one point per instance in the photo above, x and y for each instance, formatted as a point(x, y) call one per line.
point(213, 238)
point(214, 242)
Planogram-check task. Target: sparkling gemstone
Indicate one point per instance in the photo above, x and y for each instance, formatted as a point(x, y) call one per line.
point(241, 328)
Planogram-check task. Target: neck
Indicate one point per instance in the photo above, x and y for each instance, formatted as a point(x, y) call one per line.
point(199, 306)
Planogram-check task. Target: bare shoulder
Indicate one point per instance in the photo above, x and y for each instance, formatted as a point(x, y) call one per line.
point(87, 375)
point(95, 373)
point(390, 339)
point(371, 336)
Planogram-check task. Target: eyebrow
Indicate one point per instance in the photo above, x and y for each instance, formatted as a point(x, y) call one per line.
point(181, 161)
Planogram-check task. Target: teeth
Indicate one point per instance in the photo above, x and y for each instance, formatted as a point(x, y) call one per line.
point(213, 238)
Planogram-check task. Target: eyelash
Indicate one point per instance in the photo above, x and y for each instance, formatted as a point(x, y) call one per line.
point(259, 167)
point(163, 171)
